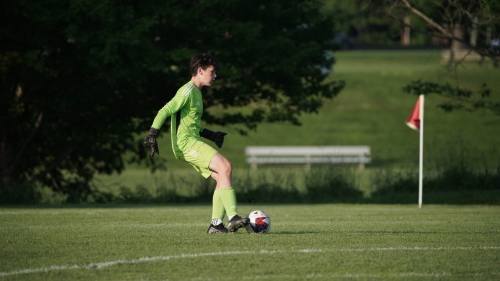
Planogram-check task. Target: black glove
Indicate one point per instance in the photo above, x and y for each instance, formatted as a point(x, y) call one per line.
point(217, 137)
point(150, 141)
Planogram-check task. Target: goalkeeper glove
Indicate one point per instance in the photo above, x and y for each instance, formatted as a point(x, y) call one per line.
point(217, 137)
point(150, 141)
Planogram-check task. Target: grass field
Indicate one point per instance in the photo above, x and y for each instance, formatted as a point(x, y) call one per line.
point(318, 242)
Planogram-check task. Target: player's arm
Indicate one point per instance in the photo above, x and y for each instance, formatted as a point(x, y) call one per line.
point(174, 105)
point(169, 109)
point(217, 137)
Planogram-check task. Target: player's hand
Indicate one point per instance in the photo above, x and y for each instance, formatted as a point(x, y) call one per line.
point(217, 137)
point(150, 141)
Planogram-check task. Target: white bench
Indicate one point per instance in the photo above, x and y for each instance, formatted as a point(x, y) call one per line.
point(308, 155)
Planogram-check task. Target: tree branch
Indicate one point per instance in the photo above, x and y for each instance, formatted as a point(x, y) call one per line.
point(442, 33)
point(427, 19)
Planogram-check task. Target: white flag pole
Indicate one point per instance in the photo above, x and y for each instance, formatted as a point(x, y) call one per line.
point(421, 156)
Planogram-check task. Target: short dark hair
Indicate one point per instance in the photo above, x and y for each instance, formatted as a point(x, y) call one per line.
point(203, 61)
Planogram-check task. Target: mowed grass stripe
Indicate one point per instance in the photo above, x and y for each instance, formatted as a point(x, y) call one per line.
point(261, 252)
point(322, 241)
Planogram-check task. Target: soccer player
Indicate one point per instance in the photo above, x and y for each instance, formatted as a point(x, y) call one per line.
point(186, 108)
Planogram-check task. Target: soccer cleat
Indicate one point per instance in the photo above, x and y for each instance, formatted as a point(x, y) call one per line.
point(237, 222)
point(217, 229)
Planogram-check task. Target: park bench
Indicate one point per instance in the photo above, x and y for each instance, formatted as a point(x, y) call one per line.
point(307, 155)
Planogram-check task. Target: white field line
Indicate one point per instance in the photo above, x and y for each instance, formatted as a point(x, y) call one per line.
point(352, 276)
point(184, 256)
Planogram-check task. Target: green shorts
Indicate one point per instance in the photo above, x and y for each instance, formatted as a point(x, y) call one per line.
point(199, 155)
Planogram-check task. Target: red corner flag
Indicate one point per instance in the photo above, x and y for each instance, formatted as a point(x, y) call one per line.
point(413, 120)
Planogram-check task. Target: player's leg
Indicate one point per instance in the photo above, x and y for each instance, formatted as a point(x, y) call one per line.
point(222, 174)
point(208, 162)
point(222, 171)
point(218, 213)
point(198, 154)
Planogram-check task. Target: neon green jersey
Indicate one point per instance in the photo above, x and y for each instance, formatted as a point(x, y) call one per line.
point(185, 108)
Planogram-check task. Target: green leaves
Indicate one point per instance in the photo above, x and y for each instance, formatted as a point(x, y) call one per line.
point(99, 72)
point(457, 98)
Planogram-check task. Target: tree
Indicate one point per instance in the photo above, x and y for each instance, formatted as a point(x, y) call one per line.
point(455, 21)
point(456, 97)
point(448, 19)
point(367, 21)
point(79, 79)
point(362, 20)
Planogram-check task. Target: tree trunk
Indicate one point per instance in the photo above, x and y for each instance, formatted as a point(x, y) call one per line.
point(456, 45)
point(473, 33)
point(6, 173)
point(405, 39)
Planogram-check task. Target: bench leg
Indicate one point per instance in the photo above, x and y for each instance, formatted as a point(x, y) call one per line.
point(307, 167)
point(361, 166)
point(254, 166)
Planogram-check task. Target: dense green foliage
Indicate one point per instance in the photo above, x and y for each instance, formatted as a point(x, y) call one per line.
point(369, 24)
point(80, 78)
point(319, 242)
point(457, 98)
point(364, 21)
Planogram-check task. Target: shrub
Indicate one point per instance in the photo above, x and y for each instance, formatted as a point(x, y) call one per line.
point(22, 194)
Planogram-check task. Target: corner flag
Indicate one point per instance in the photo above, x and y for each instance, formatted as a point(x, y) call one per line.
point(416, 122)
point(413, 120)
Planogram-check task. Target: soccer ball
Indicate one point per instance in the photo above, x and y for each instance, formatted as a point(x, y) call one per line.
point(260, 222)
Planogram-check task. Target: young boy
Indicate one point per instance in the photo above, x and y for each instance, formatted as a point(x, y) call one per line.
point(186, 109)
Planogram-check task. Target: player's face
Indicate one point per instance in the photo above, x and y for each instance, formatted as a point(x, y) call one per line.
point(207, 76)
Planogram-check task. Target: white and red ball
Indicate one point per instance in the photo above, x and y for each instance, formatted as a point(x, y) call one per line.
point(260, 222)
